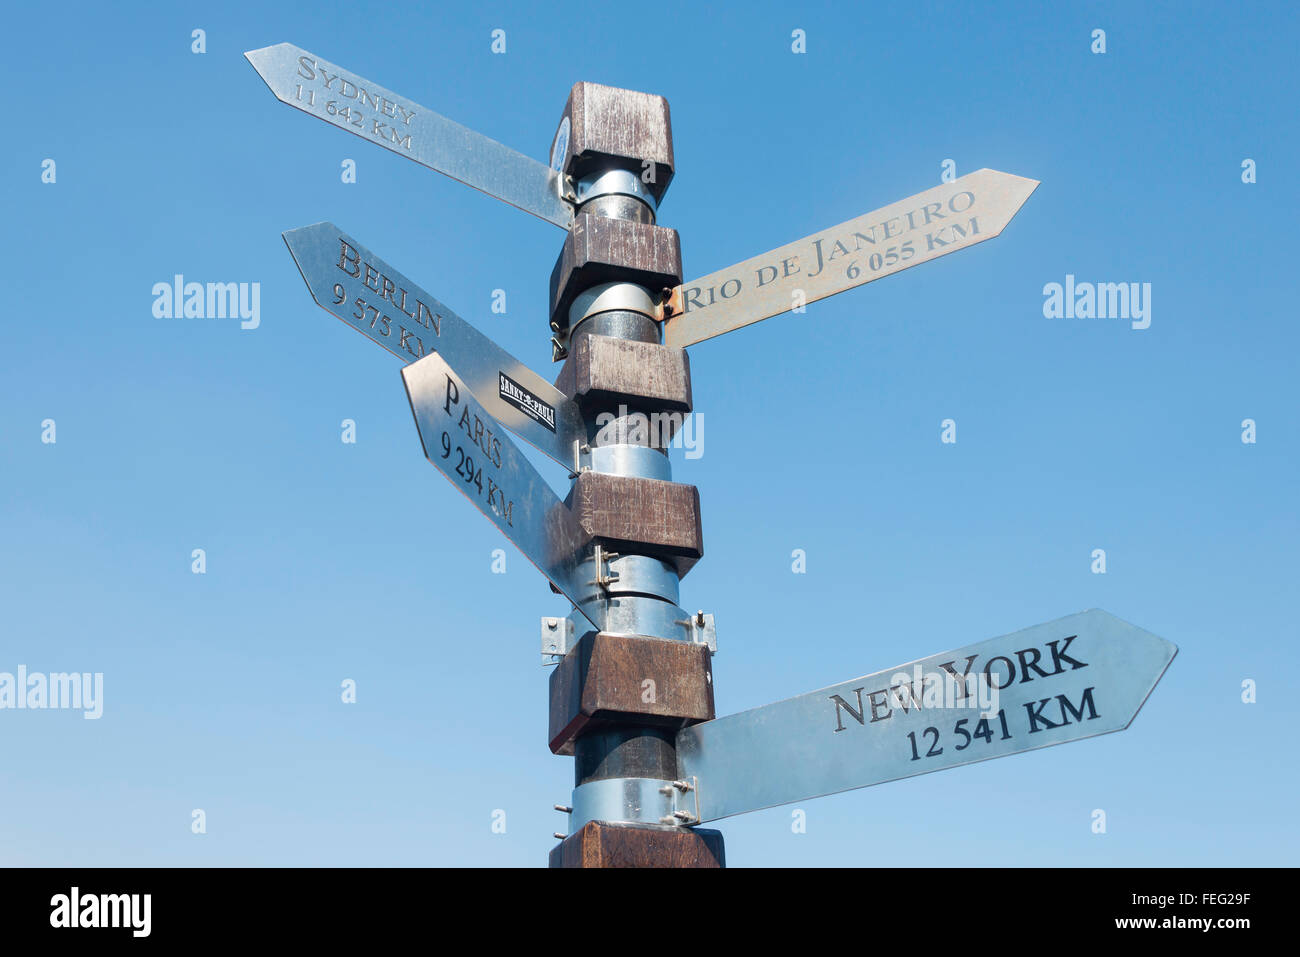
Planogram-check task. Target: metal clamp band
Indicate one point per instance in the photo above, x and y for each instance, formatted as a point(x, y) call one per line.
point(639, 460)
point(610, 575)
point(611, 297)
point(614, 182)
point(630, 615)
point(636, 801)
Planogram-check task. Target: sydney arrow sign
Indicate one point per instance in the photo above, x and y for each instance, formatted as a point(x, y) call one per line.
point(350, 102)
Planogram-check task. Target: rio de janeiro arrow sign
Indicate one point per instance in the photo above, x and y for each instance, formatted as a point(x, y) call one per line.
point(915, 230)
point(1079, 676)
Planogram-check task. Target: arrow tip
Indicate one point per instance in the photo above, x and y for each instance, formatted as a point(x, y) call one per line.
point(303, 229)
point(263, 60)
point(262, 52)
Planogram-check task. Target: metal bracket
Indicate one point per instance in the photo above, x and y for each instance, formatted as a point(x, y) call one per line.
point(580, 448)
point(559, 635)
point(686, 803)
point(604, 577)
point(568, 188)
point(670, 304)
point(701, 630)
point(557, 639)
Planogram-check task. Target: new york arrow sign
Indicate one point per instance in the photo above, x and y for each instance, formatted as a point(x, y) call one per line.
point(1079, 676)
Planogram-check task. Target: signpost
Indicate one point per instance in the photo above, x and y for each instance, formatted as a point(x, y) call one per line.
point(650, 766)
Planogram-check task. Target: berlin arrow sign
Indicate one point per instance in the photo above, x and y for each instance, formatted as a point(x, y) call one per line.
point(343, 99)
point(460, 439)
point(1079, 676)
point(915, 230)
point(347, 280)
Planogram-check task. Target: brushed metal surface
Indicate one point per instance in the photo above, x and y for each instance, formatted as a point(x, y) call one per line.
point(812, 745)
point(915, 230)
point(350, 102)
point(458, 438)
point(349, 281)
point(637, 800)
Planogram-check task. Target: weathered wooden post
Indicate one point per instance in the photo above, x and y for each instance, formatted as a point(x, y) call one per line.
point(621, 692)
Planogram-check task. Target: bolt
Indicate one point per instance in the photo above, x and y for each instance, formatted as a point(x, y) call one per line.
point(552, 623)
point(665, 304)
point(558, 836)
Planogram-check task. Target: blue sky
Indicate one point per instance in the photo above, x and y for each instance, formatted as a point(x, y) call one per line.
point(328, 561)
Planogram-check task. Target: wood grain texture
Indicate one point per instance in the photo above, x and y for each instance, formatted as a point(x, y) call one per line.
point(643, 375)
point(599, 250)
point(599, 844)
point(602, 681)
point(637, 516)
point(612, 128)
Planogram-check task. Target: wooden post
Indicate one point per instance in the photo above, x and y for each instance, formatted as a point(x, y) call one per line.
point(618, 700)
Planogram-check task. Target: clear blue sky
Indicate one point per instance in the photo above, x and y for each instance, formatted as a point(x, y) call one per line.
point(328, 561)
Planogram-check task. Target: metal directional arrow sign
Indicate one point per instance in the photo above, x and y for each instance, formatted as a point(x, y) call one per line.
point(459, 438)
point(939, 221)
point(349, 281)
point(1079, 676)
point(328, 92)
